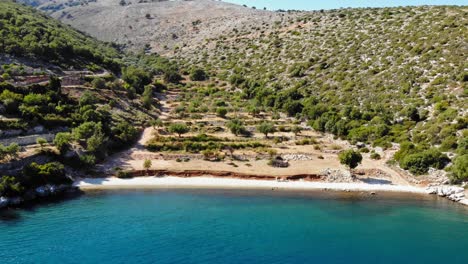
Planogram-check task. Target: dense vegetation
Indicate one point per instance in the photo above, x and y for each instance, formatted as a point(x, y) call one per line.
point(26, 32)
point(32, 176)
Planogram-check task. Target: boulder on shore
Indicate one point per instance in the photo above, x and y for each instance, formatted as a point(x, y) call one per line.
point(454, 193)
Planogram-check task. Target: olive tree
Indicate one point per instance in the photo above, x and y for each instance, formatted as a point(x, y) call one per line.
point(350, 158)
point(147, 164)
point(179, 129)
point(266, 128)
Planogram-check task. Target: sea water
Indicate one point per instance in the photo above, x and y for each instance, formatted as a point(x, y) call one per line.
point(190, 226)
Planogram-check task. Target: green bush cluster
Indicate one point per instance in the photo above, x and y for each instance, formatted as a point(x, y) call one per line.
point(10, 186)
point(198, 144)
point(9, 152)
point(418, 160)
point(26, 32)
point(39, 174)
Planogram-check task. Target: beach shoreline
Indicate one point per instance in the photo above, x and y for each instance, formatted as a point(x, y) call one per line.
point(207, 182)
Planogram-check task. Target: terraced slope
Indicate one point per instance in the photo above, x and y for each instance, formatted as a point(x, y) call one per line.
point(378, 76)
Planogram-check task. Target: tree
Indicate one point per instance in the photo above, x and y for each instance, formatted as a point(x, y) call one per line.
point(460, 168)
point(124, 132)
point(9, 186)
point(41, 142)
point(91, 133)
point(172, 76)
point(198, 75)
point(55, 84)
point(350, 158)
point(136, 78)
point(147, 164)
point(147, 98)
point(99, 83)
point(237, 127)
point(179, 128)
point(62, 141)
point(96, 141)
point(13, 149)
point(88, 160)
point(221, 112)
point(9, 152)
point(266, 128)
point(87, 98)
point(39, 174)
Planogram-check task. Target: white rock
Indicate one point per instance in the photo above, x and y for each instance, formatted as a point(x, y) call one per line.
point(4, 202)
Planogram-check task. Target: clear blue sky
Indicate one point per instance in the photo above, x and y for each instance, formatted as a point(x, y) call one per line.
point(332, 4)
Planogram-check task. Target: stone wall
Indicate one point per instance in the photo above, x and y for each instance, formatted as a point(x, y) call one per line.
point(27, 140)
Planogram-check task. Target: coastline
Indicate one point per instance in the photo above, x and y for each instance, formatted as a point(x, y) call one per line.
point(206, 182)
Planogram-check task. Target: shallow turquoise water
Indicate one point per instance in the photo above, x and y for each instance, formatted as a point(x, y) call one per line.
point(186, 226)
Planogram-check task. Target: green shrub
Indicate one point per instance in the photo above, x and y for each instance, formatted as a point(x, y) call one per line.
point(419, 163)
point(9, 152)
point(49, 173)
point(375, 156)
point(236, 127)
point(198, 75)
point(10, 186)
point(62, 141)
point(221, 112)
point(459, 168)
point(350, 158)
point(124, 174)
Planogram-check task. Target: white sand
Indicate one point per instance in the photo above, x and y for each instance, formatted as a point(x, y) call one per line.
point(230, 183)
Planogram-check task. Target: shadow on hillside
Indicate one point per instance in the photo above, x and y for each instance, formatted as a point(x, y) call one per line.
point(376, 181)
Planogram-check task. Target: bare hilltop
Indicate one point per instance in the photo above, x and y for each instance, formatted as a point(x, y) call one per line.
point(160, 26)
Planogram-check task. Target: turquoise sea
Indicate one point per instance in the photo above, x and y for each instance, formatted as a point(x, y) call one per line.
point(190, 226)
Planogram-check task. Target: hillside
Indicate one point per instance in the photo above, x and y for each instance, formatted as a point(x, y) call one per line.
point(160, 25)
point(66, 99)
point(30, 34)
point(251, 91)
point(375, 76)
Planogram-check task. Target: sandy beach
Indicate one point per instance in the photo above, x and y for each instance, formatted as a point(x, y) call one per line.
point(230, 183)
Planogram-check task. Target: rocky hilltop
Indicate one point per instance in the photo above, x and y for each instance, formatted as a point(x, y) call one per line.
point(161, 26)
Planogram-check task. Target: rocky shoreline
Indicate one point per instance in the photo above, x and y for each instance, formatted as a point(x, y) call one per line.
point(453, 193)
point(37, 194)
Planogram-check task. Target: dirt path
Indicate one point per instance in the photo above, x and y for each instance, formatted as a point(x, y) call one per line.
point(167, 102)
